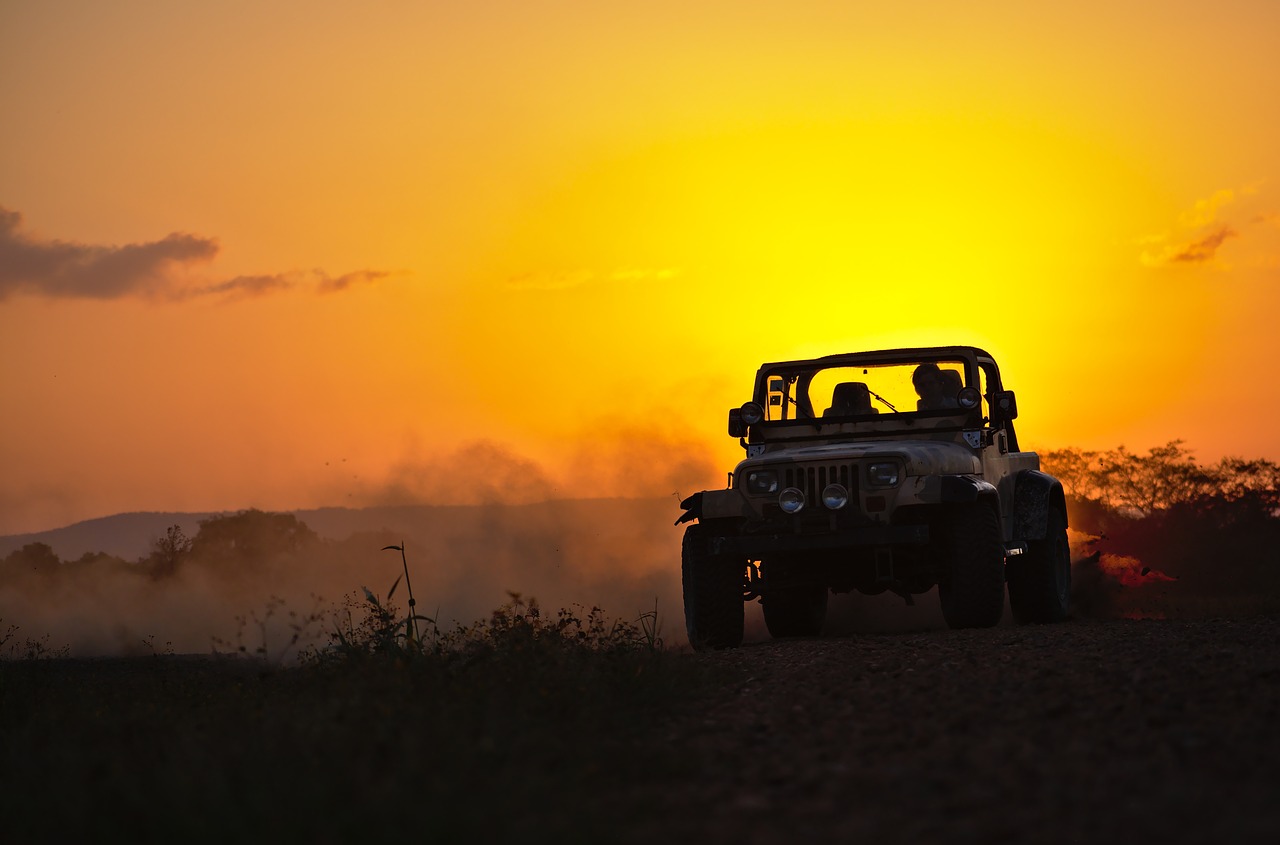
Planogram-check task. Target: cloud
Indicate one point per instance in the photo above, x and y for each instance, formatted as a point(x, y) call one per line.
point(1200, 234)
point(1198, 251)
point(63, 269)
point(315, 280)
point(327, 284)
point(1205, 211)
point(1205, 248)
point(160, 269)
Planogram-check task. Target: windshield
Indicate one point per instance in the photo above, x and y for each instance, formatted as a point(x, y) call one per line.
point(865, 391)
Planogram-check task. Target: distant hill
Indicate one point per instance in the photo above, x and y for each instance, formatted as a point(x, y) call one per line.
point(130, 535)
point(125, 535)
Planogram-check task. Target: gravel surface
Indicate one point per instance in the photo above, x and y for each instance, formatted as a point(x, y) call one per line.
point(1089, 731)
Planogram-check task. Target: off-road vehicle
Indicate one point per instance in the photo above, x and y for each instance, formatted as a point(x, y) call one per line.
point(894, 470)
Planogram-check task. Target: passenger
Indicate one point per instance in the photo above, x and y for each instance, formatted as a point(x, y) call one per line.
point(927, 380)
point(850, 398)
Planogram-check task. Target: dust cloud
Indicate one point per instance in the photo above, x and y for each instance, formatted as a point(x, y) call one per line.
point(476, 526)
point(622, 555)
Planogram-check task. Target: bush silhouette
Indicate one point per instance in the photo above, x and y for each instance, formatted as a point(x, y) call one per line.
point(1214, 527)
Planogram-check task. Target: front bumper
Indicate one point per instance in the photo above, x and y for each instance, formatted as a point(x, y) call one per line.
point(754, 546)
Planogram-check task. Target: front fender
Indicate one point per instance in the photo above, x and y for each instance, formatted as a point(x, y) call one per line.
point(1034, 493)
point(713, 504)
point(692, 509)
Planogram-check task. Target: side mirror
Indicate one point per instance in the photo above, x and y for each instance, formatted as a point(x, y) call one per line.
point(741, 419)
point(1004, 407)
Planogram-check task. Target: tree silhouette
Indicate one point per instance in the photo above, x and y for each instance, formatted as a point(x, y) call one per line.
point(1140, 485)
point(1215, 527)
point(32, 560)
point(250, 539)
point(167, 553)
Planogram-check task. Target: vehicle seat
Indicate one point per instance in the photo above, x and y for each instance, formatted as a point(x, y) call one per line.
point(850, 398)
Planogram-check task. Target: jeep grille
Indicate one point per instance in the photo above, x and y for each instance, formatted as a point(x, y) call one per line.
point(812, 480)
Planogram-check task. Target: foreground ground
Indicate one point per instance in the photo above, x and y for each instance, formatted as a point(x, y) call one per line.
point(1118, 731)
point(1124, 731)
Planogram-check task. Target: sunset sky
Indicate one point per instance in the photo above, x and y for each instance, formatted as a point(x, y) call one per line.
point(297, 254)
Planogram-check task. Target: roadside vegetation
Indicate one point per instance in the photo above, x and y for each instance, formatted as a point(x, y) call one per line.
point(522, 726)
point(1195, 539)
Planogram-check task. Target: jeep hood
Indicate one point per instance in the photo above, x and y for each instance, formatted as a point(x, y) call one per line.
point(919, 457)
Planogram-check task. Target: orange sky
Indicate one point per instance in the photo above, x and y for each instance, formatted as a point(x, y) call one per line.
point(296, 254)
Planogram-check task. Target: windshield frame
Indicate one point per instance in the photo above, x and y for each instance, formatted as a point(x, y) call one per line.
point(805, 422)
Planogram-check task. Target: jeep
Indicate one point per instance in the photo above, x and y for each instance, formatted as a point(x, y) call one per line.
point(895, 470)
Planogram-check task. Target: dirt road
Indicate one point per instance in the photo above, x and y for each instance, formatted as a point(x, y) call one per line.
point(1090, 731)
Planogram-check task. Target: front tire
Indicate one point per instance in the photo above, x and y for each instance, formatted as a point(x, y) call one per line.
point(1040, 580)
point(972, 585)
point(713, 591)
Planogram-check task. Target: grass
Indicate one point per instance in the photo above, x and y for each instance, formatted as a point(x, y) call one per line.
point(27, 648)
point(522, 726)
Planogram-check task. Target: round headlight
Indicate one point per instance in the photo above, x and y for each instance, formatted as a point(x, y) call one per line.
point(791, 500)
point(752, 413)
point(969, 397)
point(835, 496)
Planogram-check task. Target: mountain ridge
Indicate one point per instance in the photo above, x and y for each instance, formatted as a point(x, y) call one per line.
point(129, 535)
